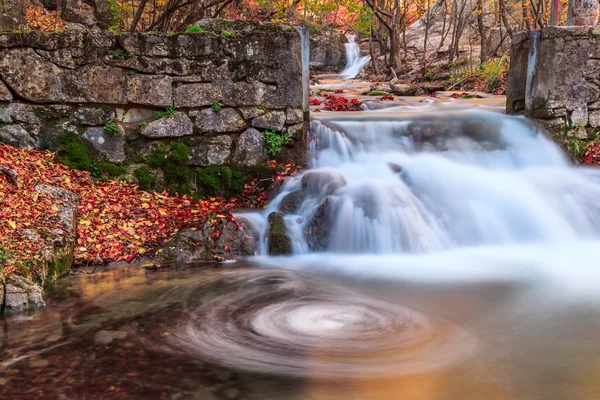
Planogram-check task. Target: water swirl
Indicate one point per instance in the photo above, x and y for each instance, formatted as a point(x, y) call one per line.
point(278, 322)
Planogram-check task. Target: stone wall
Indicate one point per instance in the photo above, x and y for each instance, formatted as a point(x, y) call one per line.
point(128, 97)
point(564, 82)
point(327, 51)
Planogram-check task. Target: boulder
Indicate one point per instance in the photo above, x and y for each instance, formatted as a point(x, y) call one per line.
point(273, 120)
point(196, 94)
point(79, 12)
point(226, 120)
point(292, 201)
point(318, 181)
point(67, 211)
point(172, 126)
point(279, 242)
point(104, 146)
point(20, 294)
point(30, 76)
point(211, 150)
point(93, 116)
point(319, 227)
point(16, 136)
point(151, 90)
point(250, 148)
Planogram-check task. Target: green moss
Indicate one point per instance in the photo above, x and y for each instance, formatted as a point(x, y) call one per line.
point(112, 129)
point(75, 154)
point(377, 93)
point(279, 242)
point(167, 112)
point(145, 179)
point(220, 180)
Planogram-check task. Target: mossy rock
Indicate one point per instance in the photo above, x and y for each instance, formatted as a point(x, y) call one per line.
point(279, 242)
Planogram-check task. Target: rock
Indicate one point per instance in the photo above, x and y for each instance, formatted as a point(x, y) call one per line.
point(20, 112)
point(291, 203)
point(172, 126)
point(234, 239)
point(150, 90)
point(106, 337)
point(212, 150)
point(95, 84)
point(327, 50)
point(319, 227)
point(226, 120)
point(196, 94)
point(296, 131)
point(30, 76)
point(402, 89)
point(273, 120)
point(134, 115)
point(67, 211)
point(93, 116)
point(77, 11)
point(252, 112)
point(293, 115)
point(16, 136)
point(250, 148)
point(5, 94)
point(21, 295)
point(594, 119)
point(240, 94)
point(279, 242)
point(104, 146)
point(318, 181)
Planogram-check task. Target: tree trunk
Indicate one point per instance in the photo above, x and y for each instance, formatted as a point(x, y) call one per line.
point(481, 27)
point(12, 15)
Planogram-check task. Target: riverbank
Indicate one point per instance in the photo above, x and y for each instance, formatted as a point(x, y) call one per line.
point(54, 217)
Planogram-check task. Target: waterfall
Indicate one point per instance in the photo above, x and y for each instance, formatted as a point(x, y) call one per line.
point(354, 62)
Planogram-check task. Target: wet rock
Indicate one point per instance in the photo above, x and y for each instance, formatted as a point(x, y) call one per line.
point(319, 227)
point(16, 136)
point(107, 337)
point(279, 242)
point(104, 146)
point(151, 90)
point(316, 182)
point(93, 116)
point(291, 203)
point(172, 126)
point(196, 94)
point(273, 120)
point(235, 239)
point(250, 148)
point(21, 295)
point(403, 89)
point(227, 120)
point(213, 150)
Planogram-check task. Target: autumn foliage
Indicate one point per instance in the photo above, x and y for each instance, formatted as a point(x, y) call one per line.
point(116, 221)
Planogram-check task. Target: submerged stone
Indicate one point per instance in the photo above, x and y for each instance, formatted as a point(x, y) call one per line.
point(279, 242)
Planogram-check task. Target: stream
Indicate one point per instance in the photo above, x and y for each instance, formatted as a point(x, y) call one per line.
point(441, 250)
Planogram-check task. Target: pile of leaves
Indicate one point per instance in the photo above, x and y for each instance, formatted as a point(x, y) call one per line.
point(315, 102)
point(116, 220)
point(40, 19)
point(592, 154)
point(387, 97)
point(340, 103)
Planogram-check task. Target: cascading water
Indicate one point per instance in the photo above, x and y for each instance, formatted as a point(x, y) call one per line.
point(411, 189)
point(354, 62)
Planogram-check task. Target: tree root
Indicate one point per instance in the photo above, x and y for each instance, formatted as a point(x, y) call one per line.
point(11, 175)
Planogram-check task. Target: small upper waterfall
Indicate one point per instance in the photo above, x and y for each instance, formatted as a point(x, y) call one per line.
point(354, 62)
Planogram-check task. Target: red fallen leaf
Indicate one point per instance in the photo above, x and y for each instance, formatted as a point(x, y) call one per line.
point(315, 102)
point(339, 91)
point(387, 97)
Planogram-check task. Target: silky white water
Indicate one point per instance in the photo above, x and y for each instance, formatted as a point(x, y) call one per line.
point(354, 62)
point(463, 195)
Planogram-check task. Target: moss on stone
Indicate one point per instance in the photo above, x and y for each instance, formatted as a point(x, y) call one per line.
point(73, 153)
point(377, 93)
point(145, 179)
point(279, 242)
point(220, 180)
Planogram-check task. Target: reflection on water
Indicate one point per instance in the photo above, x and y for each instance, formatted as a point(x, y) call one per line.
point(193, 334)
